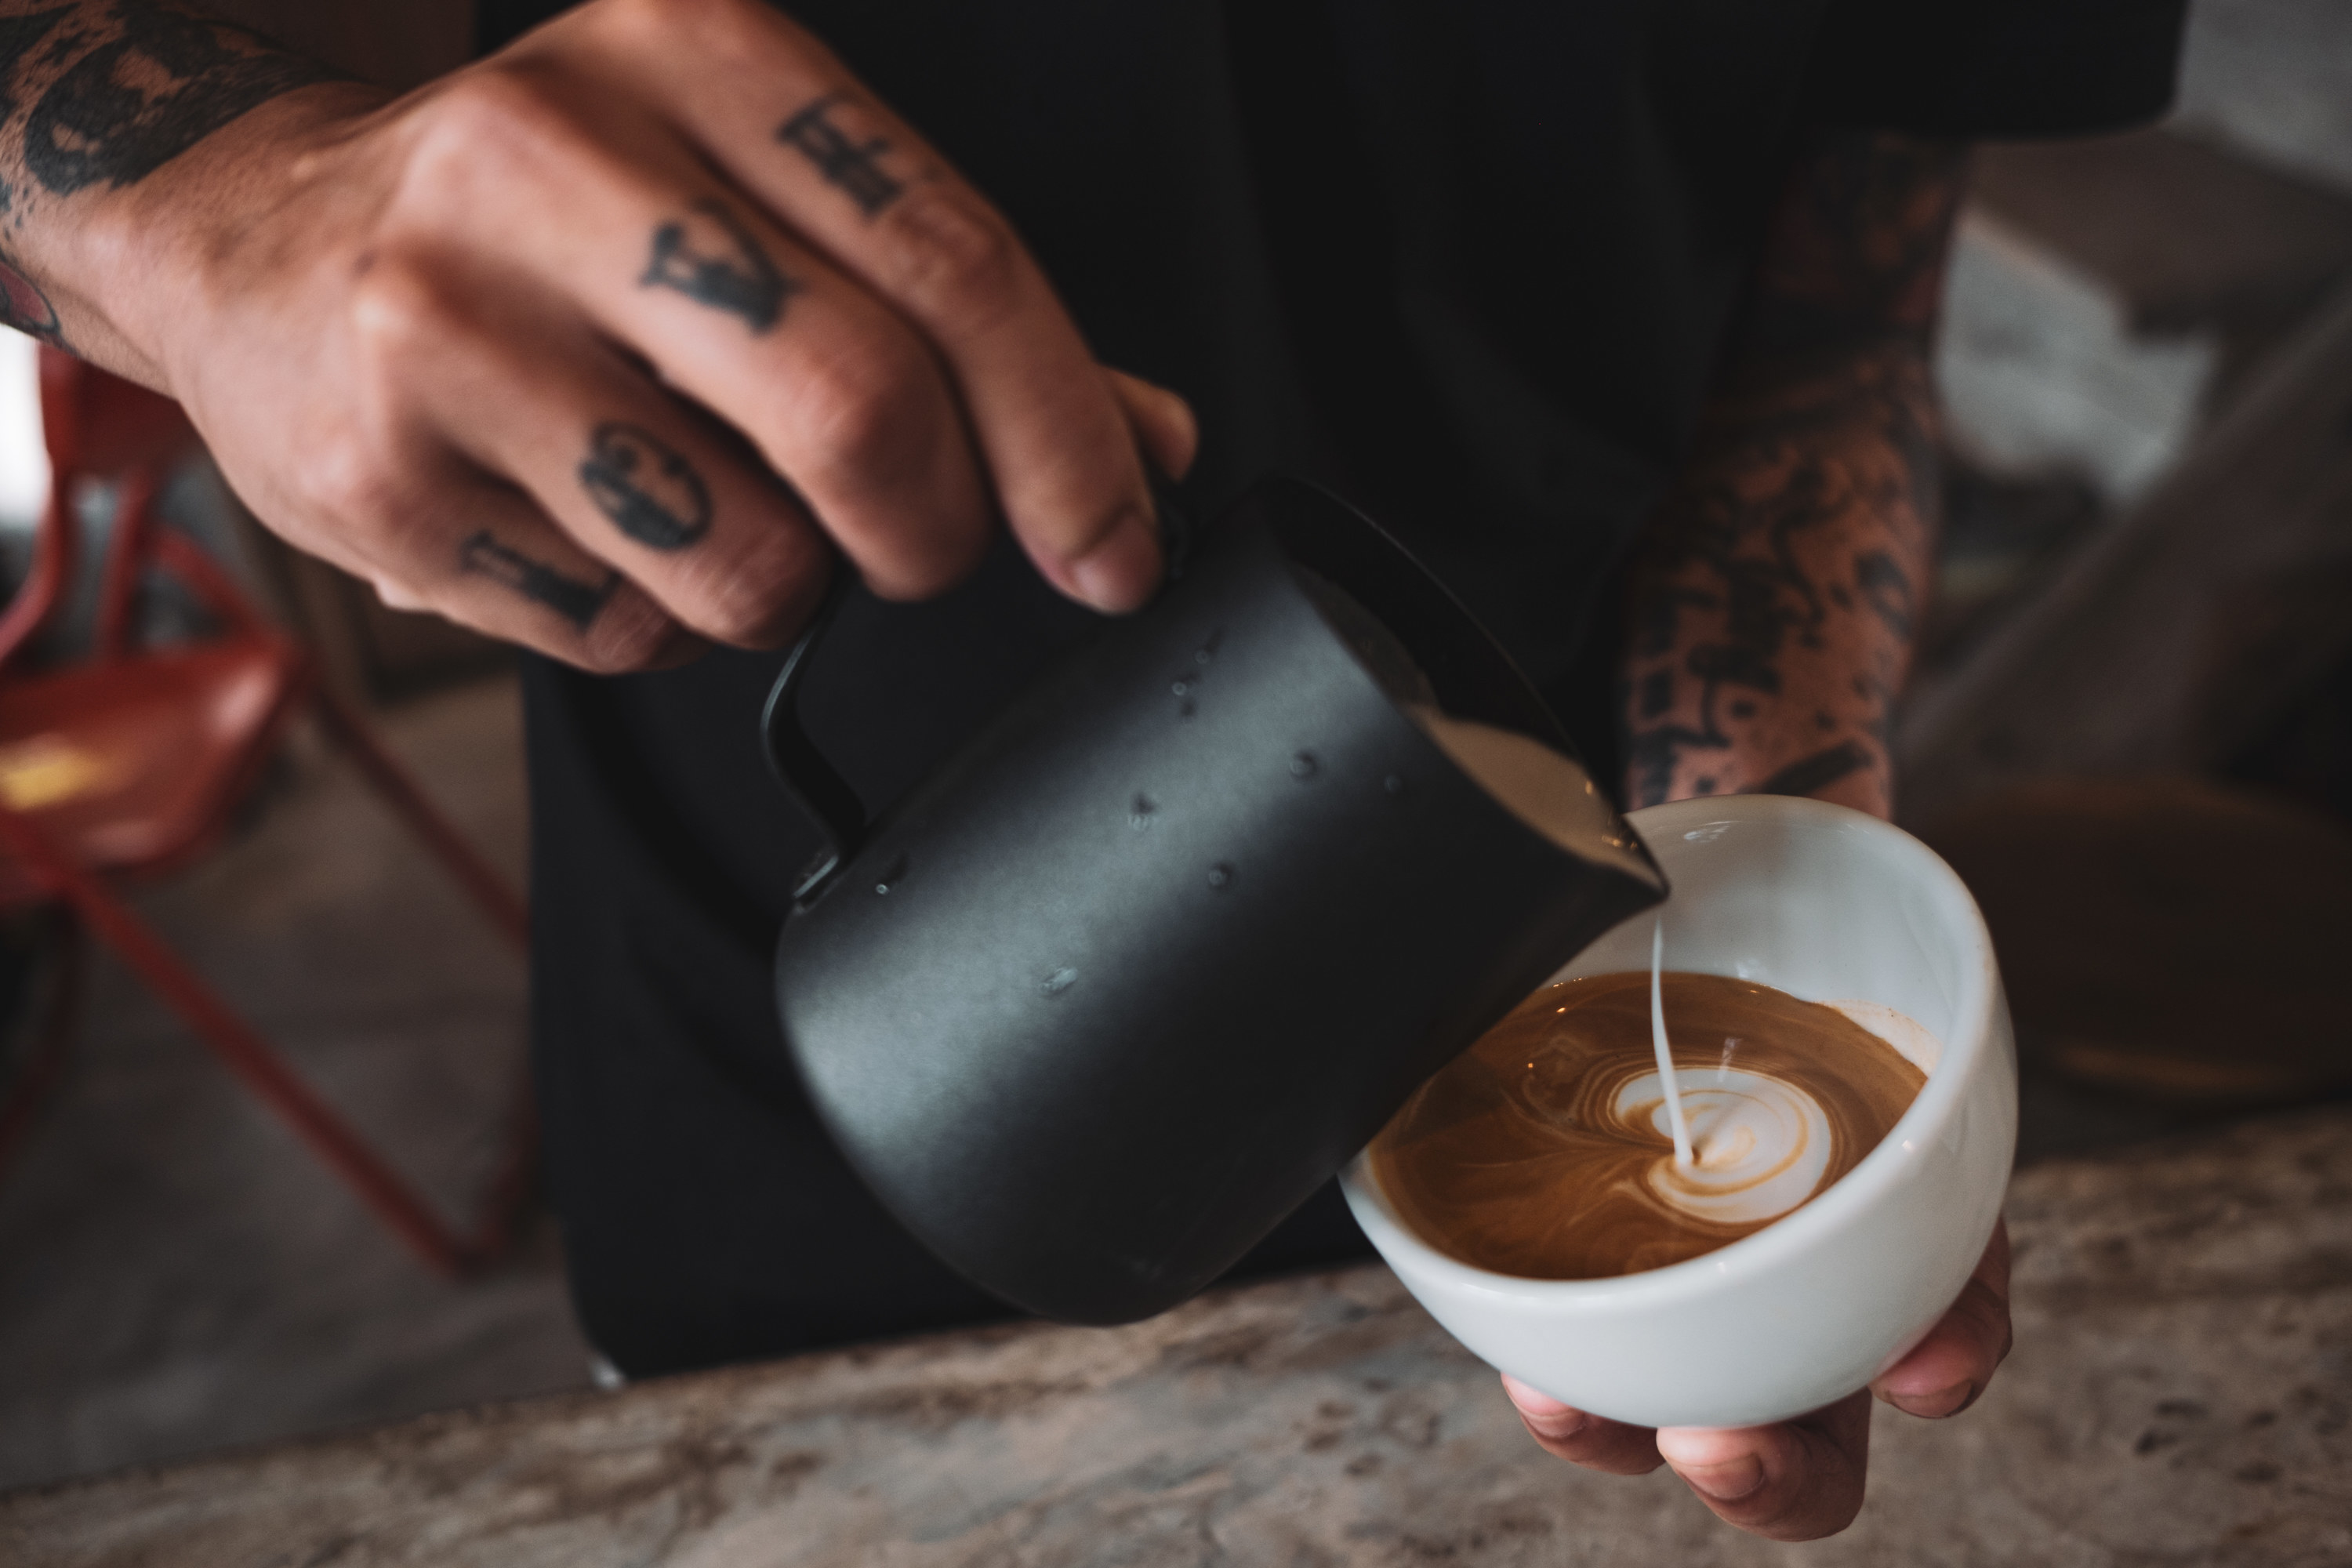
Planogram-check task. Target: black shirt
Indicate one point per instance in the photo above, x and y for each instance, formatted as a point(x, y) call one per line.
point(1470, 264)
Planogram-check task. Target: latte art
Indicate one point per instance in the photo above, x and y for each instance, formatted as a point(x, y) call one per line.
point(1545, 1150)
point(1759, 1146)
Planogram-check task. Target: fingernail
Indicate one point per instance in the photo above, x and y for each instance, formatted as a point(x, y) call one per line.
point(1727, 1482)
point(1943, 1402)
point(1118, 575)
point(1556, 1426)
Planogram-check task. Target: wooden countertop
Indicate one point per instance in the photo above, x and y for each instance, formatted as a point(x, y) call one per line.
point(2181, 1392)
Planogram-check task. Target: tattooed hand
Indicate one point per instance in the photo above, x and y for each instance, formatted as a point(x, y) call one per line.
point(604, 344)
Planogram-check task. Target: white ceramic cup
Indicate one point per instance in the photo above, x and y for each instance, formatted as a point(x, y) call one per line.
point(1827, 904)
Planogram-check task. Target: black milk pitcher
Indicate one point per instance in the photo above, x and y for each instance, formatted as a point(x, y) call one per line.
point(1145, 961)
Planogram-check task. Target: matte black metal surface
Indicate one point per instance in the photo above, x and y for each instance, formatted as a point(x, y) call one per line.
point(1132, 974)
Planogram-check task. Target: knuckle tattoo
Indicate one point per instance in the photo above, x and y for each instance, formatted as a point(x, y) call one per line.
point(851, 165)
point(646, 487)
point(576, 600)
point(712, 258)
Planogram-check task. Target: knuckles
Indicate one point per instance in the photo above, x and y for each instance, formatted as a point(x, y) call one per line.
point(721, 28)
point(632, 635)
point(400, 314)
point(872, 410)
point(959, 266)
point(359, 459)
point(351, 477)
point(506, 126)
point(863, 418)
point(870, 423)
point(753, 602)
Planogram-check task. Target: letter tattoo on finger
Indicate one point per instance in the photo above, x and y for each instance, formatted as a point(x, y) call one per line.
point(577, 602)
point(714, 260)
point(850, 165)
point(645, 485)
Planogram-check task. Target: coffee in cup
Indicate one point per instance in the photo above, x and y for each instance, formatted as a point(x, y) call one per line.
point(1822, 903)
point(1546, 1151)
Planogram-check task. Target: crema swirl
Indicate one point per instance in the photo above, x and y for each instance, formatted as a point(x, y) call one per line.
point(1545, 1150)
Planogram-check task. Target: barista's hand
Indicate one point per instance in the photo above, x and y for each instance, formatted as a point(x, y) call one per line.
point(1800, 1479)
point(605, 343)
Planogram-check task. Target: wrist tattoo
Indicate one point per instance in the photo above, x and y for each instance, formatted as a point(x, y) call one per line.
point(18, 34)
point(130, 95)
point(577, 602)
point(714, 260)
point(850, 165)
point(645, 485)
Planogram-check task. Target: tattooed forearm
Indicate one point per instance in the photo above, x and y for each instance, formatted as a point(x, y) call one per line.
point(710, 257)
point(848, 164)
point(1809, 775)
point(96, 95)
point(1771, 600)
point(20, 32)
point(1774, 597)
point(1857, 251)
point(647, 488)
point(577, 602)
point(117, 92)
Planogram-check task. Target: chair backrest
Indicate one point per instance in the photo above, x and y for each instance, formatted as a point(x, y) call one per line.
point(99, 428)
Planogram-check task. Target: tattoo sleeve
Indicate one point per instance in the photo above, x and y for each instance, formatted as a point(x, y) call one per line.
point(1773, 597)
point(96, 95)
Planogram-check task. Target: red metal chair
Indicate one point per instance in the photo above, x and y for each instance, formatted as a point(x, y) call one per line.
point(133, 762)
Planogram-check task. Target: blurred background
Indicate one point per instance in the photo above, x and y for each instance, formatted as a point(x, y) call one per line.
point(2130, 730)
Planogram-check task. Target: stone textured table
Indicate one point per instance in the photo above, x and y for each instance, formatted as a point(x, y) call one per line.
point(2181, 1392)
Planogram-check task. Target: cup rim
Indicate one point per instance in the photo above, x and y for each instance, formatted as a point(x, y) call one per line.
point(1940, 1099)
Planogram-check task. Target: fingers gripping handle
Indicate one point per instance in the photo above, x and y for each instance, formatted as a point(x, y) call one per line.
point(809, 780)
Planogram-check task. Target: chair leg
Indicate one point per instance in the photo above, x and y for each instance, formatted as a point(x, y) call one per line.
point(407, 801)
point(46, 1064)
point(509, 1191)
point(243, 1051)
point(503, 1204)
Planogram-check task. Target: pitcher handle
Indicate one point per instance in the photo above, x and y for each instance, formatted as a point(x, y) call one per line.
point(809, 780)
